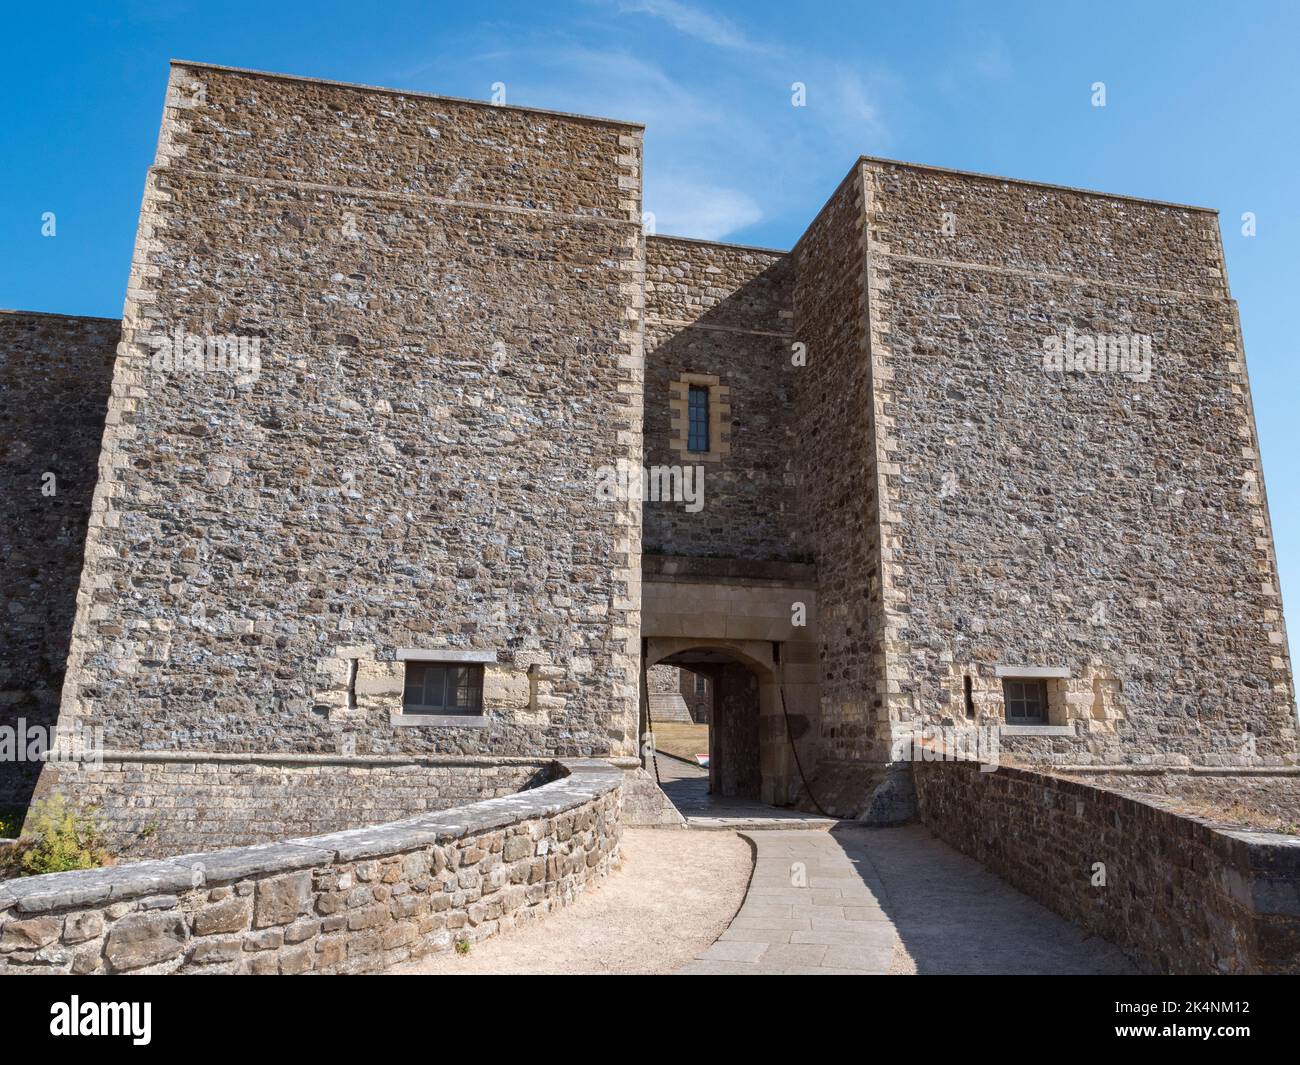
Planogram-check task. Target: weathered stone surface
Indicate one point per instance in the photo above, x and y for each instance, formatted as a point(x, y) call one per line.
point(446, 279)
point(267, 939)
point(55, 373)
point(301, 930)
point(316, 798)
point(229, 915)
point(142, 939)
point(78, 927)
point(1182, 893)
point(297, 960)
point(1000, 476)
point(340, 914)
point(517, 847)
point(238, 862)
point(471, 288)
point(214, 951)
point(282, 899)
point(31, 934)
point(37, 894)
point(723, 312)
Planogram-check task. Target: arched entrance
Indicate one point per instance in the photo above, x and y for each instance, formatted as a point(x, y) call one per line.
point(749, 750)
point(752, 626)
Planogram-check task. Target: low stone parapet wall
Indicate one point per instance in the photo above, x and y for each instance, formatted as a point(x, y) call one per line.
point(151, 804)
point(1260, 797)
point(1181, 893)
point(347, 902)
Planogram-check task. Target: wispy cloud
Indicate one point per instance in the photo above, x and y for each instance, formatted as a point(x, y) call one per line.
point(695, 22)
point(688, 207)
point(982, 57)
point(991, 59)
point(725, 150)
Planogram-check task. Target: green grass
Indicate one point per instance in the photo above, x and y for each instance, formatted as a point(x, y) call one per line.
point(11, 820)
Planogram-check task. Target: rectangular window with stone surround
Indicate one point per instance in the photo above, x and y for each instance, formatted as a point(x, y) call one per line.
point(699, 408)
point(698, 412)
point(443, 688)
point(1026, 701)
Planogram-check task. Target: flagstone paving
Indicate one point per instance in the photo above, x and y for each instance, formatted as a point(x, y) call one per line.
point(687, 787)
point(859, 900)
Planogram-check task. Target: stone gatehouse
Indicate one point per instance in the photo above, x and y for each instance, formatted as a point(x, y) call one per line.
point(351, 518)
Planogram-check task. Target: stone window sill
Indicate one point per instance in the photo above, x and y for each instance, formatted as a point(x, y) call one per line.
point(438, 720)
point(1037, 730)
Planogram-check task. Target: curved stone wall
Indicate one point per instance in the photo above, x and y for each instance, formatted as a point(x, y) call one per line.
point(347, 902)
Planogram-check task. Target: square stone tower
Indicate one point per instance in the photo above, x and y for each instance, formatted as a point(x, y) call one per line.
point(1033, 476)
point(374, 344)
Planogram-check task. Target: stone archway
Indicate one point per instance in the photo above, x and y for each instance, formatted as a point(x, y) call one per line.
point(761, 615)
point(749, 751)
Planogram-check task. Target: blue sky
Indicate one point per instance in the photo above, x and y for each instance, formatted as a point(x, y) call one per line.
point(1201, 108)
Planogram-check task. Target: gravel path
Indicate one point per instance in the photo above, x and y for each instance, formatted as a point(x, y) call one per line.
point(676, 892)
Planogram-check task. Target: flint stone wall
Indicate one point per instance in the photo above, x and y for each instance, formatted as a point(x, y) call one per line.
point(55, 373)
point(154, 805)
point(835, 470)
point(1184, 894)
point(348, 902)
point(1091, 521)
point(448, 298)
point(722, 311)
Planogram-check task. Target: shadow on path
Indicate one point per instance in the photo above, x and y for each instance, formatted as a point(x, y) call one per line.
point(687, 787)
point(953, 916)
point(859, 900)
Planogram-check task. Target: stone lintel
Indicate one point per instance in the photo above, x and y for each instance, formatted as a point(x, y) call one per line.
point(444, 654)
point(1032, 672)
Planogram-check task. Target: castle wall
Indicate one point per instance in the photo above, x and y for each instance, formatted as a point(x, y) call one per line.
point(698, 696)
point(54, 380)
point(1182, 893)
point(836, 476)
point(1097, 522)
point(156, 804)
point(446, 297)
point(344, 902)
point(420, 326)
point(721, 313)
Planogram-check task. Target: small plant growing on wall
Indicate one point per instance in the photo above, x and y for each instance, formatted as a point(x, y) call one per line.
point(11, 821)
point(462, 946)
point(63, 838)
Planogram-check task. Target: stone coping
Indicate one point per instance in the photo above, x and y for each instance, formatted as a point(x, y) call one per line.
point(452, 761)
point(582, 781)
point(1001, 179)
point(670, 237)
point(1162, 769)
point(195, 64)
point(1272, 852)
point(17, 313)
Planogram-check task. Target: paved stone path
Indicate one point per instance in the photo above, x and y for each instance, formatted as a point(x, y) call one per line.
point(847, 899)
point(687, 787)
point(859, 900)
